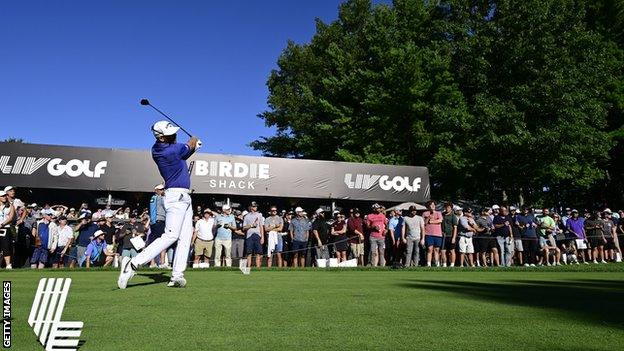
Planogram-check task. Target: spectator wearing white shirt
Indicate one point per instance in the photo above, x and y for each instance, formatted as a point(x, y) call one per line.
point(65, 237)
point(203, 239)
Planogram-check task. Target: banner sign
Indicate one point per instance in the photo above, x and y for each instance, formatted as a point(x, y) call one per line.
point(66, 167)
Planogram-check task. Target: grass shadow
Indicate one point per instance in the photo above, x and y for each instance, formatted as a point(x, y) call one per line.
point(156, 279)
point(596, 301)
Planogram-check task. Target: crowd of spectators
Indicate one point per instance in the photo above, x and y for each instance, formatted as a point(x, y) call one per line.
point(58, 236)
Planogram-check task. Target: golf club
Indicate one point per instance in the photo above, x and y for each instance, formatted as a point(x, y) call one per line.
point(145, 102)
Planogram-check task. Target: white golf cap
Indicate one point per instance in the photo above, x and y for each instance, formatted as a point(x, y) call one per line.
point(298, 209)
point(2, 193)
point(8, 187)
point(457, 208)
point(225, 207)
point(164, 128)
point(244, 213)
point(159, 187)
point(319, 210)
point(97, 233)
point(512, 208)
point(607, 210)
point(495, 207)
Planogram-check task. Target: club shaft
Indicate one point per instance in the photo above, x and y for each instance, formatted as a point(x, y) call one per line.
point(172, 121)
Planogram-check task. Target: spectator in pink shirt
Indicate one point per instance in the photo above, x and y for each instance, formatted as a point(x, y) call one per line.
point(377, 224)
point(433, 233)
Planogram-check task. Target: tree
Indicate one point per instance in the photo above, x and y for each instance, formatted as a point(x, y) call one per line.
point(495, 97)
point(13, 140)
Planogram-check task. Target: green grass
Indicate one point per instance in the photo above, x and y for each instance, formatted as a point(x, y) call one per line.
point(562, 308)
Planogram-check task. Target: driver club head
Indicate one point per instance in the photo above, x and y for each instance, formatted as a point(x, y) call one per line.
point(145, 102)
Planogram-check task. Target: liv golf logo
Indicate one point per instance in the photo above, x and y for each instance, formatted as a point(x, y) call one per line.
point(45, 316)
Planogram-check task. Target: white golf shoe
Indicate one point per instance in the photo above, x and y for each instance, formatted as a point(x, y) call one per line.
point(177, 283)
point(127, 272)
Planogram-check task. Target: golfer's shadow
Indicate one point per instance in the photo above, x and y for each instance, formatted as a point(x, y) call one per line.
point(156, 278)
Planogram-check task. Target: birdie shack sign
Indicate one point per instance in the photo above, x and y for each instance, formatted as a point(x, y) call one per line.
point(66, 167)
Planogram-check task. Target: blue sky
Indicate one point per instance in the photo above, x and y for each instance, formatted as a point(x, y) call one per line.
point(73, 72)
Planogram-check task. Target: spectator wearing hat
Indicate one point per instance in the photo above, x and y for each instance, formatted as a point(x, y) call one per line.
point(377, 224)
point(238, 237)
point(320, 230)
point(528, 231)
point(43, 240)
point(433, 233)
point(576, 226)
point(64, 242)
point(106, 225)
point(504, 235)
point(355, 232)
point(449, 228)
point(203, 239)
point(96, 254)
point(595, 234)
point(299, 235)
point(516, 230)
point(253, 225)
point(466, 227)
point(484, 242)
point(273, 225)
point(223, 240)
point(413, 236)
point(157, 222)
point(339, 235)
point(72, 215)
point(85, 228)
point(396, 227)
point(610, 235)
point(7, 215)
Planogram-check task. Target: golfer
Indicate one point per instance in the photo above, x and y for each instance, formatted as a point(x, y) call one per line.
point(170, 157)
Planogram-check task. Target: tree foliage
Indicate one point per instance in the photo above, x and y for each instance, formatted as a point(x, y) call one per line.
point(492, 96)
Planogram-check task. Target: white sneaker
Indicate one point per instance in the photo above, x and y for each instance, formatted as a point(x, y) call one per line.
point(578, 262)
point(585, 262)
point(177, 283)
point(548, 264)
point(195, 265)
point(443, 264)
point(204, 265)
point(526, 264)
point(595, 262)
point(428, 264)
point(532, 265)
point(127, 272)
point(603, 261)
point(8, 266)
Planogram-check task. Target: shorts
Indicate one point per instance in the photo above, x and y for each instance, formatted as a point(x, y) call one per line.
point(596, 241)
point(299, 246)
point(341, 243)
point(543, 242)
point(280, 243)
point(129, 253)
point(39, 255)
point(448, 245)
point(6, 243)
point(580, 244)
point(156, 231)
point(610, 245)
point(357, 249)
point(377, 244)
point(252, 245)
point(465, 245)
point(435, 241)
point(203, 247)
point(518, 245)
point(58, 258)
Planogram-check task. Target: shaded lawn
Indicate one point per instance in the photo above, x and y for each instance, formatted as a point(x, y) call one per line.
point(559, 309)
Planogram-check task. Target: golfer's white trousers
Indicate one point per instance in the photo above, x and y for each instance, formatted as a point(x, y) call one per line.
point(178, 227)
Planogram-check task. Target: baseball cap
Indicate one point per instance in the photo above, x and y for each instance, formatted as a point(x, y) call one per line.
point(376, 206)
point(457, 208)
point(495, 207)
point(411, 208)
point(159, 187)
point(62, 218)
point(207, 210)
point(575, 210)
point(298, 209)
point(2, 193)
point(253, 204)
point(320, 210)
point(512, 208)
point(8, 188)
point(607, 210)
point(225, 207)
point(97, 233)
point(84, 215)
point(468, 210)
point(164, 128)
point(33, 205)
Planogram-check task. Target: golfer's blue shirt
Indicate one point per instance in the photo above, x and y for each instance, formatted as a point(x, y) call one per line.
point(171, 162)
